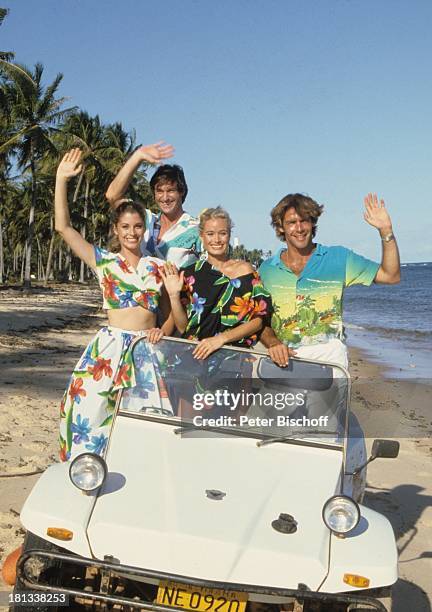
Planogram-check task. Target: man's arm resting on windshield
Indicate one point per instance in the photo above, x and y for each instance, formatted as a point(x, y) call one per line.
point(150, 154)
point(278, 351)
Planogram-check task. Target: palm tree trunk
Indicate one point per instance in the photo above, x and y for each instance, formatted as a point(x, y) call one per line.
point(1, 253)
point(17, 251)
point(84, 225)
point(23, 258)
point(50, 254)
point(78, 187)
point(27, 274)
point(40, 271)
point(66, 263)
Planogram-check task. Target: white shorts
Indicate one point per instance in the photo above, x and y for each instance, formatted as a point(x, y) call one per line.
point(333, 351)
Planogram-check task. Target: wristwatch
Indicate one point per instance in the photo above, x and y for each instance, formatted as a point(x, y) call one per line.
point(388, 237)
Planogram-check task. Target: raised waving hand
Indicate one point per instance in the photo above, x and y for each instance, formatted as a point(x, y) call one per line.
point(156, 153)
point(376, 213)
point(70, 165)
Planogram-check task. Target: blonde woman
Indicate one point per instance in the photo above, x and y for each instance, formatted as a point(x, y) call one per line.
point(217, 300)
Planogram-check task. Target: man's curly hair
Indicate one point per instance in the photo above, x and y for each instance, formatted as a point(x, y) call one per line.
point(303, 205)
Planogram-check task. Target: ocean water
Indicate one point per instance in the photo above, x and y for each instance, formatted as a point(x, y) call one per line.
point(393, 323)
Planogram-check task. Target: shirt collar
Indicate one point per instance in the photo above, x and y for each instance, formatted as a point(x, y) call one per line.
point(320, 249)
point(275, 260)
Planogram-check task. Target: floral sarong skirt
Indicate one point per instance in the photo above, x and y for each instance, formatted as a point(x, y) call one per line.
point(87, 407)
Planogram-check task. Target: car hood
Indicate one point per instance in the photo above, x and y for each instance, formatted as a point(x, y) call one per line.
point(156, 512)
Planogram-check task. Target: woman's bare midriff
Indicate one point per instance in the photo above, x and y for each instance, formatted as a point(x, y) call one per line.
point(134, 318)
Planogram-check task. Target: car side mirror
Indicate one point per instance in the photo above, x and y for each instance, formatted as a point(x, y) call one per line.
point(381, 449)
point(385, 449)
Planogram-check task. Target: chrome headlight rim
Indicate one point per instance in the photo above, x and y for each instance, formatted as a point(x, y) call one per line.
point(93, 457)
point(341, 498)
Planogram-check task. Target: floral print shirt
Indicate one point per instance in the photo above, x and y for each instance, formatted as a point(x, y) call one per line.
point(180, 244)
point(124, 286)
point(214, 302)
point(308, 307)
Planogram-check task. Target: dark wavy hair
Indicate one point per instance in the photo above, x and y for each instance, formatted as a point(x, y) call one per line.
point(116, 214)
point(170, 174)
point(303, 205)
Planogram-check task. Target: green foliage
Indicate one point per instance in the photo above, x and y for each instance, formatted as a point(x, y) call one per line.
point(35, 131)
point(255, 257)
point(5, 56)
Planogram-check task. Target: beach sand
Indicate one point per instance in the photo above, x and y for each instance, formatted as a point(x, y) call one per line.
point(41, 338)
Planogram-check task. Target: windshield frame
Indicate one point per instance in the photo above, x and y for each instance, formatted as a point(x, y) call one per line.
point(179, 423)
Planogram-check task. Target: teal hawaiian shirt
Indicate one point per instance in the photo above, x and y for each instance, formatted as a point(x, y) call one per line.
point(181, 243)
point(308, 307)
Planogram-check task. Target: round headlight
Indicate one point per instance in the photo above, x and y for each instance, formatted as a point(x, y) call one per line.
point(88, 472)
point(341, 514)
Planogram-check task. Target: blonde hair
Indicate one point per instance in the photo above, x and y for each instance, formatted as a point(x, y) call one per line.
point(214, 213)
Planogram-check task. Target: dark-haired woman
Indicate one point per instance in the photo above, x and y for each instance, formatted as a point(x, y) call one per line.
point(132, 288)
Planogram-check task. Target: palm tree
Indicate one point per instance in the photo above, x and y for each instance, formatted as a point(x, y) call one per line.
point(14, 226)
point(87, 133)
point(36, 112)
point(120, 145)
point(6, 56)
point(6, 128)
point(105, 149)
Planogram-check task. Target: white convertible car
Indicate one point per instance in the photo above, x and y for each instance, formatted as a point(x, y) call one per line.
point(228, 485)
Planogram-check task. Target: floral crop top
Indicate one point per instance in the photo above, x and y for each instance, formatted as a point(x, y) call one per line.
point(124, 286)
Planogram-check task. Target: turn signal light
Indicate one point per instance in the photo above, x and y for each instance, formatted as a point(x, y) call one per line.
point(59, 533)
point(356, 581)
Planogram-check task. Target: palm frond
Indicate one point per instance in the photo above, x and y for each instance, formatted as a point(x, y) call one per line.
point(3, 13)
point(15, 139)
point(48, 97)
point(7, 56)
point(17, 72)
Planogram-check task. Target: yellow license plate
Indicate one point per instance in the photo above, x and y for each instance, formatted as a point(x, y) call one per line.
point(200, 599)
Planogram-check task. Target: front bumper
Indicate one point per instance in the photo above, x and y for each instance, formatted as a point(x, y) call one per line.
point(113, 569)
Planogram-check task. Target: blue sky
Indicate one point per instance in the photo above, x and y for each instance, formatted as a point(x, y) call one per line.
point(260, 98)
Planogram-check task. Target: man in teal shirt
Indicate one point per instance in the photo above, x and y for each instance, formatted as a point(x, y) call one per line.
point(172, 234)
point(307, 280)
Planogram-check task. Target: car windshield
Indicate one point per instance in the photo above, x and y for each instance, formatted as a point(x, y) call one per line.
point(237, 391)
